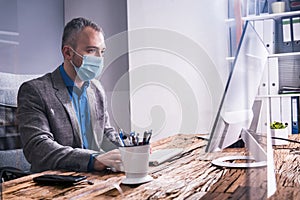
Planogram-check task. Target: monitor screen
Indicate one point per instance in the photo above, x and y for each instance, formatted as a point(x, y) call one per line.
point(239, 111)
point(235, 111)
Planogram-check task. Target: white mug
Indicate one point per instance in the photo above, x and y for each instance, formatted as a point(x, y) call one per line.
point(278, 7)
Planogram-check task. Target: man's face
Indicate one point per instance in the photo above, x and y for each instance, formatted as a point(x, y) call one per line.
point(89, 42)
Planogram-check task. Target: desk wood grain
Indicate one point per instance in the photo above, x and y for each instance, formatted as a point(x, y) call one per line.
point(192, 176)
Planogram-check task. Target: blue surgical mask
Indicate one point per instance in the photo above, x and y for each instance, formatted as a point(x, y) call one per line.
point(90, 68)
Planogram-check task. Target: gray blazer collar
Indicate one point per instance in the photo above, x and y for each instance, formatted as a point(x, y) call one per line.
point(63, 96)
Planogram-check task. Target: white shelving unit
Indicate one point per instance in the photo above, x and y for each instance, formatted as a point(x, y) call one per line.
point(284, 54)
point(280, 104)
point(270, 16)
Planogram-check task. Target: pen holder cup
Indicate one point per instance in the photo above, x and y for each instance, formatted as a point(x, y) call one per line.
point(135, 160)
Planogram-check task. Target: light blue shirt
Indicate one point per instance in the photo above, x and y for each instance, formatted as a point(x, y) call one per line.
point(79, 100)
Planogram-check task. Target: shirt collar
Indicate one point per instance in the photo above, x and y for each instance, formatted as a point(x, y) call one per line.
point(68, 81)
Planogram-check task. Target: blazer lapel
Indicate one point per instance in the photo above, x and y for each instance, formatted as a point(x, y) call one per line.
point(95, 124)
point(63, 96)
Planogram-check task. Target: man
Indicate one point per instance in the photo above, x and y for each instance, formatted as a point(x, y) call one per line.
point(62, 115)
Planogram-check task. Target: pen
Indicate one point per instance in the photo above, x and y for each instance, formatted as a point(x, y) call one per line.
point(137, 138)
point(121, 136)
point(119, 140)
point(149, 137)
point(121, 133)
point(132, 136)
point(145, 137)
point(126, 141)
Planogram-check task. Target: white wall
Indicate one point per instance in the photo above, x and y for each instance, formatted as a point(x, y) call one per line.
point(177, 64)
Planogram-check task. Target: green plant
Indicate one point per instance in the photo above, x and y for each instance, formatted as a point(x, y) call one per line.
point(277, 125)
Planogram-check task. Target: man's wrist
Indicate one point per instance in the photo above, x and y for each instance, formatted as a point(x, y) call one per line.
point(99, 165)
point(92, 162)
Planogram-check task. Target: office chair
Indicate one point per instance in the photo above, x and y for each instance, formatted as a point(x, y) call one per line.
point(11, 153)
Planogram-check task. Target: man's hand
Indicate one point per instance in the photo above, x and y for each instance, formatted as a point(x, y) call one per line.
point(111, 159)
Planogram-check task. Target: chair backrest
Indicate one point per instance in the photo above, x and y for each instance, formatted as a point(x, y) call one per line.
point(11, 153)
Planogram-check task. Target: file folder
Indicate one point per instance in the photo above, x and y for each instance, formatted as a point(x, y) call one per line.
point(268, 34)
point(295, 107)
point(286, 30)
point(296, 28)
point(275, 105)
point(259, 28)
point(273, 76)
point(264, 84)
point(265, 30)
point(296, 33)
point(286, 113)
point(263, 117)
point(283, 35)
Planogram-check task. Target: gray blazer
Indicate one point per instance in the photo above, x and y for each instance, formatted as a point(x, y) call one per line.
point(49, 128)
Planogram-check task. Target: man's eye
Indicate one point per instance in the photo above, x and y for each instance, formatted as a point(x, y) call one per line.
point(91, 50)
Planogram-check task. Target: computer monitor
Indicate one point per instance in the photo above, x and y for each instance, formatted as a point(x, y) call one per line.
point(238, 112)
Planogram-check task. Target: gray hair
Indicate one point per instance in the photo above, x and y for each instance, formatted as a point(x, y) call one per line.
point(74, 27)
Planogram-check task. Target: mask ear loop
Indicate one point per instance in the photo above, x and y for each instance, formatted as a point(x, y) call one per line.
point(76, 52)
point(77, 55)
point(73, 63)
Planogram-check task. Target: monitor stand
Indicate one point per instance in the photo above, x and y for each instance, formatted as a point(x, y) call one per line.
point(258, 158)
point(261, 157)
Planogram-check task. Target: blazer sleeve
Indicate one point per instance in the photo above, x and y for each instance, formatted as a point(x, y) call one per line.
point(39, 144)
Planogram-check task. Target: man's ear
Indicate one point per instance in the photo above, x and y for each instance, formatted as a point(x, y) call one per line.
point(66, 51)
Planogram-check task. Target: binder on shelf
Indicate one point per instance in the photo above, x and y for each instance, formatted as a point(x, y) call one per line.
point(259, 28)
point(286, 30)
point(273, 75)
point(296, 28)
point(295, 110)
point(296, 33)
point(263, 117)
point(264, 83)
point(268, 35)
point(275, 109)
point(265, 30)
point(283, 35)
point(286, 112)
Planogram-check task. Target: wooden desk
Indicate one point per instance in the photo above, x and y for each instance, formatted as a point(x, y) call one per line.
point(185, 178)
